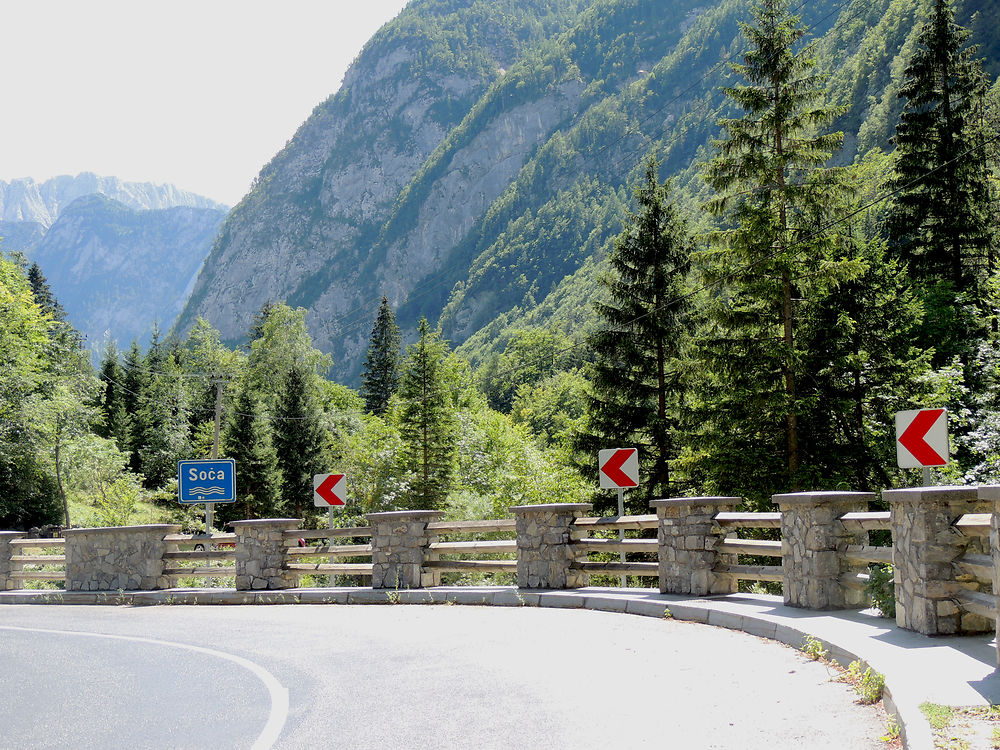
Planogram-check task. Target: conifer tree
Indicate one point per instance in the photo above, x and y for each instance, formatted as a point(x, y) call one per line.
point(117, 423)
point(635, 378)
point(427, 422)
point(770, 187)
point(43, 295)
point(248, 441)
point(298, 438)
point(940, 221)
point(380, 377)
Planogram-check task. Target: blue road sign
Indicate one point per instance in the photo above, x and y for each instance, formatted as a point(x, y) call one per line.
point(206, 481)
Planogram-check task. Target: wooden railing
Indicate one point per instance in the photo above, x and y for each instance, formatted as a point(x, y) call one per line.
point(38, 560)
point(622, 546)
point(199, 548)
point(502, 552)
point(302, 560)
point(732, 522)
point(976, 568)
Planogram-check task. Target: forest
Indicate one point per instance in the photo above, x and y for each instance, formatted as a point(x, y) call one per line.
point(755, 336)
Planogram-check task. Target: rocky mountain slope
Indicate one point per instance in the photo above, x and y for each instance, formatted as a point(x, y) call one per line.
point(26, 200)
point(118, 270)
point(477, 159)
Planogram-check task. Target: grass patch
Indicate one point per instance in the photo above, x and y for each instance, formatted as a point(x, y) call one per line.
point(963, 728)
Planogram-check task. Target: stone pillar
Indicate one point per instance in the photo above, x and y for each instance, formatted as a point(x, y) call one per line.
point(545, 557)
point(991, 495)
point(400, 542)
point(925, 547)
point(688, 537)
point(124, 558)
point(6, 566)
point(813, 547)
point(260, 554)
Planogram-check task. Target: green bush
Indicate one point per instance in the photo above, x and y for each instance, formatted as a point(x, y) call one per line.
point(882, 590)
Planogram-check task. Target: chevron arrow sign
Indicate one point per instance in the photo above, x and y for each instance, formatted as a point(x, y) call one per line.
point(921, 438)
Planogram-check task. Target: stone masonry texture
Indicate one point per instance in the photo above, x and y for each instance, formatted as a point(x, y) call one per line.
point(545, 557)
point(813, 547)
point(127, 558)
point(6, 566)
point(260, 554)
point(400, 542)
point(688, 537)
point(925, 548)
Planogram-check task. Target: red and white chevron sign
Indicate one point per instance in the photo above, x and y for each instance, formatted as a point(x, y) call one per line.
point(922, 438)
point(619, 468)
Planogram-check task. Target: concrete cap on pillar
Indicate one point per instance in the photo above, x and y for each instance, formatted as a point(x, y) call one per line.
point(550, 507)
point(400, 515)
point(820, 498)
point(919, 494)
point(292, 523)
point(675, 501)
point(989, 492)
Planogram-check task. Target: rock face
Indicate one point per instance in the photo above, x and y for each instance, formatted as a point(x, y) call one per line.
point(477, 161)
point(121, 270)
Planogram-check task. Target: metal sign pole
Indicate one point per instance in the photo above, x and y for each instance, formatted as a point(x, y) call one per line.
point(330, 526)
point(621, 532)
point(926, 472)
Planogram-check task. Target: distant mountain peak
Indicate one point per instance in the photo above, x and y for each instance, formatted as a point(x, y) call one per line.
point(26, 200)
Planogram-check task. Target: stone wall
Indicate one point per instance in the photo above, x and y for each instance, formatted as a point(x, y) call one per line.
point(400, 542)
point(813, 547)
point(926, 547)
point(545, 558)
point(128, 558)
point(260, 554)
point(688, 537)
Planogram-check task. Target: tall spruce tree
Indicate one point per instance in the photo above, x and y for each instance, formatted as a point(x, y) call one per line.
point(117, 422)
point(427, 423)
point(635, 378)
point(940, 222)
point(770, 186)
point(248, 441)
point(298, 438)
point(380, 377)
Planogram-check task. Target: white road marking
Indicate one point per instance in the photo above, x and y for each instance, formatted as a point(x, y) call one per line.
point(279, 694)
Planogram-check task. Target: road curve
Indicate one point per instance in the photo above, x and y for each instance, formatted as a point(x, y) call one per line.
point(411, 676)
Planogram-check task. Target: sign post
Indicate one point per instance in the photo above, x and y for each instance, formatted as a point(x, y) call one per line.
point(922, 440)
point(619, 469)
point(329, 491)
point(206, 482)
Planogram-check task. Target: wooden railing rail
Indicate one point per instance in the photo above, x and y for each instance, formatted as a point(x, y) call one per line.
point(26, 566)
point(460, 550)
point(216, 547)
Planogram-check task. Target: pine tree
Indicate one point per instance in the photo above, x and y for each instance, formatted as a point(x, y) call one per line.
point(380, 377)
point(43, 295)
point(162, 430)
point(298, 439)
point(770, 184)
point(117, 423)
point(940, 221)
point(635, 378)
point(427, 421)
point(136, 384)
point(248, 441)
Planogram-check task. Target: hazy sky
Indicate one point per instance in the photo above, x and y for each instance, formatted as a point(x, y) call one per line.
point(198, 93)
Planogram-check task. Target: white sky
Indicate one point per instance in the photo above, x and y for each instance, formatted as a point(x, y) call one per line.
point(198, 93)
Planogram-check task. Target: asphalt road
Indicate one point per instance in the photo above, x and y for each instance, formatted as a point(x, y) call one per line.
point(407, 677)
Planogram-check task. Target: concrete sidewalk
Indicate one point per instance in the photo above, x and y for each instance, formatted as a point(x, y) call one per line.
point(952, 671)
